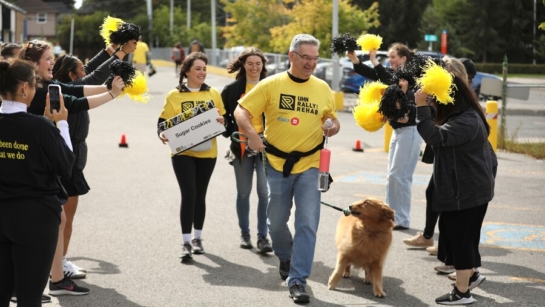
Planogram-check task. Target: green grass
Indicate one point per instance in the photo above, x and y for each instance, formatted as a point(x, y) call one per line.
point(510, 144)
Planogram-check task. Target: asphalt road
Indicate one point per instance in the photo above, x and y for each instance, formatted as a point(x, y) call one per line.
point(127, 233)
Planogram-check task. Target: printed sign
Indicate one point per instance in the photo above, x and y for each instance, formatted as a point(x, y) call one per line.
point(192, 127)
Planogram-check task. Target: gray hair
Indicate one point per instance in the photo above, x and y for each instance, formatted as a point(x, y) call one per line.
point(303, 39)
point(456, 67)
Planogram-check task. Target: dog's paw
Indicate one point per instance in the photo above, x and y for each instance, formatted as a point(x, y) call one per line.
point(379, 293)
point(331, 287)
point(367, 280)
point(346, 274)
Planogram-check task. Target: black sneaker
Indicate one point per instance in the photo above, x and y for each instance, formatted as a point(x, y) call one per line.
point(475, 280)
point(186, 251)
point(284, 269)
point(399, 227)
point(45, 299)
point(245, 241)
point(66, 287)
point(455, 297)
point(197, 246)
point(298, 293)
point(264, 246)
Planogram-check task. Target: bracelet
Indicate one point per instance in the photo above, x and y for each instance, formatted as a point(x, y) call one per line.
point(111, 94)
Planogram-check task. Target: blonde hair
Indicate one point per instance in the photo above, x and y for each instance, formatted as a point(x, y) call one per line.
point(456, 67)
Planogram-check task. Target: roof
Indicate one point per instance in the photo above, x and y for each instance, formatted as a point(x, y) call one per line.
point(35, 6)
point(12, 6)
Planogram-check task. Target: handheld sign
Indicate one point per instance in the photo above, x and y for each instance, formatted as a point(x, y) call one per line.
point(192, 127)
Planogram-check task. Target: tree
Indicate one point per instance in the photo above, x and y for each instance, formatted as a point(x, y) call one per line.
point(315, 17)
point(249, 22)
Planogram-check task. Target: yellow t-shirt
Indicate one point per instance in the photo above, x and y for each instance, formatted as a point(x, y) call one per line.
point(294, 115)
point(176, 103)
point(139, 54)
point(257, 121)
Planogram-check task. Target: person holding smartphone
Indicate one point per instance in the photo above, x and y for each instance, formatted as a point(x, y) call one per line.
point(30, 193)
point(77, 98)
point(69, 69)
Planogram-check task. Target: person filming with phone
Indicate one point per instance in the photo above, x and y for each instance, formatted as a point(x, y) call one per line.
point(34, 154)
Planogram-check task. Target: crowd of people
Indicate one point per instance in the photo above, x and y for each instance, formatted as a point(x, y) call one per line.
point(283, 156)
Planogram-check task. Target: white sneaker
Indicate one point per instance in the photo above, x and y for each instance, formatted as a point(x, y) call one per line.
point(452, 276)
point(445, 269)
point(71, 271)
point(432, 250)
point(76, 267)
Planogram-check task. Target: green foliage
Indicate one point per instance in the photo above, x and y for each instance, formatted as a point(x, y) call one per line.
point(87, 40)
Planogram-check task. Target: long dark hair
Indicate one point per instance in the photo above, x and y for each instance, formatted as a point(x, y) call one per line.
point(464, 98)
point(237, 65)
point(188, 63)
point(64, 65)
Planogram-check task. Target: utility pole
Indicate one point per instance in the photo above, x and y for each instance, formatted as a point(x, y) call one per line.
point(535, 26)
point(171, 15)
point(188, 14)
point(214, 47)
point(150, 22)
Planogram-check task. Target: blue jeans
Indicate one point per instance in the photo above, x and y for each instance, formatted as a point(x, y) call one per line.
point(403, 156)
point(244, 173)
point(303, 190)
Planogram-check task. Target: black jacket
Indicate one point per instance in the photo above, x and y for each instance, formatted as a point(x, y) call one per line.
point(230, 95)
point(384, 75)
point(465, 163)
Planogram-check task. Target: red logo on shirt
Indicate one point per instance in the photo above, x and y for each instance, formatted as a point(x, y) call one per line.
point(295, 121)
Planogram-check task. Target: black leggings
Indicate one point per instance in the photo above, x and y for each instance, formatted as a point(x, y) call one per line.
point(431, 216)
point(193, 175)
point(28, 237)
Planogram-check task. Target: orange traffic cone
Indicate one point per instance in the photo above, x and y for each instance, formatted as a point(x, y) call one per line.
point(358, 146)
point(123, 142)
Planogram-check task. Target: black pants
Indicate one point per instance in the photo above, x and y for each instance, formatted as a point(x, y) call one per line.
point(193, 175)
point(431, 216)
point(28, 237)
point(459, 236)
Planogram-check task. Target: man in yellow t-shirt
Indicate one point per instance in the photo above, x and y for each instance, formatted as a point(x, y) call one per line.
point(296, 105)
point(139, 56)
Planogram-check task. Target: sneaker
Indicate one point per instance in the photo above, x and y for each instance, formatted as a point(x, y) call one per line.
point(264, 246)
point(419, 240)
point(245, 241)
point(445, 269)
point(475, 280)
point(455, 297)
point(71, 271)
point(399, 227)
point(74, 265)
point(298, 293)
point(186, 251)
point(284, 269)
point(197, 246)
point(433, 250)
point(66, 287)
point(45, 299)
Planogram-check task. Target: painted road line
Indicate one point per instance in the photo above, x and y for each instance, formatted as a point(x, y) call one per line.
point(526, 237)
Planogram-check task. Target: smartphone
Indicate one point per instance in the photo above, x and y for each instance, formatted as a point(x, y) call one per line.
point(54, 97)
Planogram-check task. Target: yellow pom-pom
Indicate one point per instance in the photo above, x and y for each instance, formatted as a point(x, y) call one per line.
point(138, 90)
point(367, 117)
point(436, 81)
point(109, 25)
point(369, 42)
point(372, 91)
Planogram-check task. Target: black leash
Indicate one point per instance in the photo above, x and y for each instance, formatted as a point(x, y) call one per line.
point(346, 211)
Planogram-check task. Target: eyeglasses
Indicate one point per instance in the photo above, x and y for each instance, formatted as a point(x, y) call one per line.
point(307, 58)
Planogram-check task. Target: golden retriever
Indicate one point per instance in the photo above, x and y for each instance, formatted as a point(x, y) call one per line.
point(363, 239)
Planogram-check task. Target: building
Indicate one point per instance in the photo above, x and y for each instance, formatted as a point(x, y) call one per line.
point(13, 23)
point(42, 18)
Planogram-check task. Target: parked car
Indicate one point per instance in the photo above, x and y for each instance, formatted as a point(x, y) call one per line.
point(476, 85)
point(352, 81)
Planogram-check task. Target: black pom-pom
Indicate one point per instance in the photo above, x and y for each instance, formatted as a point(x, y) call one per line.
point(343, 43)
point(126, 32)
point(388, 107)
point(416, 63)
point(123, 69)
point(404, 73)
